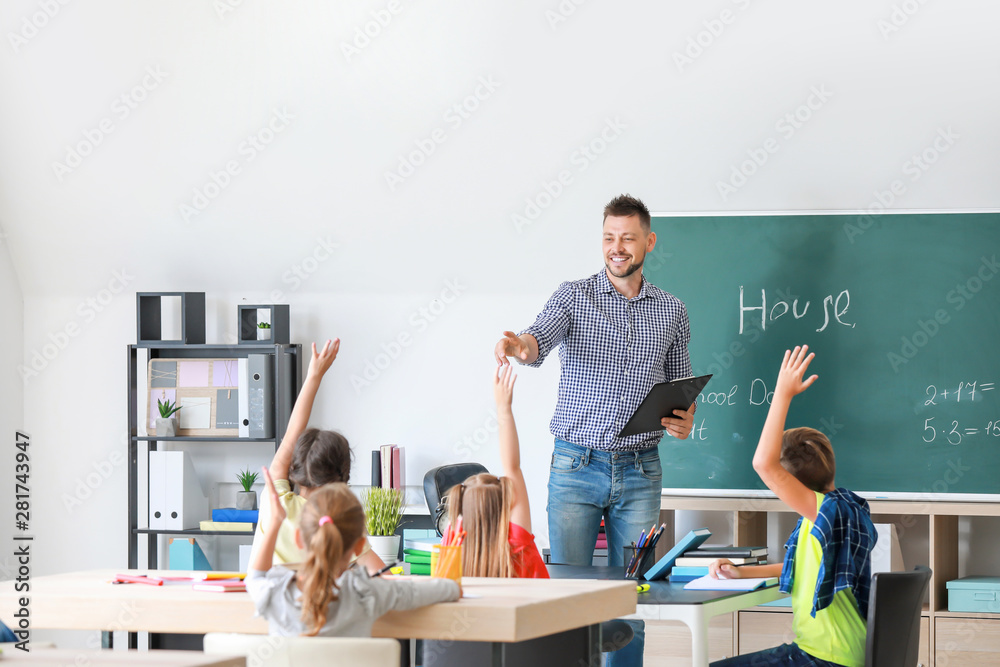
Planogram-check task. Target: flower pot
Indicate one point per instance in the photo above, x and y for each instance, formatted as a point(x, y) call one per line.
point(386, 547)
point(166, 428)
point(246, 500)
point(263, 334)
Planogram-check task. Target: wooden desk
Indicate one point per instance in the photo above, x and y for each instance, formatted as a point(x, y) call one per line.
point(92, 658)
point(505, 610)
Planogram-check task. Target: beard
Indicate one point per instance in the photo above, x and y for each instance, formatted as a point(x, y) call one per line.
point(624, 271)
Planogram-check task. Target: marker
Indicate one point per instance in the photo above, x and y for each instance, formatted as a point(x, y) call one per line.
point(642, 588)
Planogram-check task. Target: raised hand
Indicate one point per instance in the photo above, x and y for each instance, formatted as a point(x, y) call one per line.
point(510, 346)
point(322, 360)
point(503, 386)
point(793, 368)
point(277, 513)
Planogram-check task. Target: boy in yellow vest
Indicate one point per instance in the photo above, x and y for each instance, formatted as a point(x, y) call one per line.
point(827, 567)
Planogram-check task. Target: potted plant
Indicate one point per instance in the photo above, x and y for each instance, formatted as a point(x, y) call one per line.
point(247, 498)
point(166, 423)
point(383, 514)
point(263, 331)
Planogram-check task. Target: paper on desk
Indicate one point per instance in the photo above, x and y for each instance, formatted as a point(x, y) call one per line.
point(707, 583)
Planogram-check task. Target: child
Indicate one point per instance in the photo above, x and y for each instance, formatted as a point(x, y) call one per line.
point(495, 512)
point(327, 597)
point(308, 458)
point(827, 567)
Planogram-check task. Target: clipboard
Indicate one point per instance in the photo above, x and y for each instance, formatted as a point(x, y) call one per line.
point(661, 401)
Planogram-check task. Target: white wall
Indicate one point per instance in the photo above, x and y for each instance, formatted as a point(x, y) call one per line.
point(671, 134)
point(11, 397)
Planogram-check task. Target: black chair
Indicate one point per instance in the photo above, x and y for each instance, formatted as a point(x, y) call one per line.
point(438, 481)
point(894, 617)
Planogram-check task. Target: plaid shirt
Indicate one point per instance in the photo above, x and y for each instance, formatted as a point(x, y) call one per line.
point(847, 536)
point(612, 351)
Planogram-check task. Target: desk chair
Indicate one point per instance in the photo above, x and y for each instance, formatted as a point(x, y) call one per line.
point(438, 481)
point(306, 651)
point(894, 617)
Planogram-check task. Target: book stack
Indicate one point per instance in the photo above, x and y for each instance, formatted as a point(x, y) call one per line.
point(387, 467)
point(602, 538)
point(417, 552)
point(694, 563)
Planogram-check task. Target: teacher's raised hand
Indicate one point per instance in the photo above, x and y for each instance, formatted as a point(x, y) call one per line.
point(512, 346)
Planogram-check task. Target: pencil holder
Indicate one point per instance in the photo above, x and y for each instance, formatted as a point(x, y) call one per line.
point(637, 561)
point(446, 563)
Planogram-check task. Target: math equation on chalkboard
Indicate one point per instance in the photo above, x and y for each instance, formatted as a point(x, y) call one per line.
point(953, 430)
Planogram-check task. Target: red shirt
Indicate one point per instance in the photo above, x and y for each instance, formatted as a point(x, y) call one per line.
point(528, 563)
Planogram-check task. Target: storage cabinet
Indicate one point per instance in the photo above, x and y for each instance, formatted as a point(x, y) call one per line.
point(966, 642)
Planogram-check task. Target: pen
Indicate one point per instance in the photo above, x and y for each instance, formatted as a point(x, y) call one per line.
point(628, 570)
point(137, 579)
point(391, 569)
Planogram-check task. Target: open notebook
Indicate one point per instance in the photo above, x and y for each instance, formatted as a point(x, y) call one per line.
point(707, 583)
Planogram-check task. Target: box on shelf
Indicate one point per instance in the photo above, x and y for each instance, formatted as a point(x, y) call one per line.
point(974, 594)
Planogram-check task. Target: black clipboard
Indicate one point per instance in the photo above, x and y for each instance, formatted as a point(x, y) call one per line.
point(661, 401)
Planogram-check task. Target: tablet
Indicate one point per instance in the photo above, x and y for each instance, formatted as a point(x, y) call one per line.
point(661, 401)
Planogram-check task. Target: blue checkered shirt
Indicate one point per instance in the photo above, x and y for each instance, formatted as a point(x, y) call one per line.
point(847, 536)
point(612, 351)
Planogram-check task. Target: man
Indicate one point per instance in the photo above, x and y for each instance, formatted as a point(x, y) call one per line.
point(618, 335)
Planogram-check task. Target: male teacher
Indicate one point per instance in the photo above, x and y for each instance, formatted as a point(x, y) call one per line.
point(618, 335)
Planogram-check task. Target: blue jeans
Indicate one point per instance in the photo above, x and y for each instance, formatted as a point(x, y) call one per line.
point(587, 484)
point(786, 655)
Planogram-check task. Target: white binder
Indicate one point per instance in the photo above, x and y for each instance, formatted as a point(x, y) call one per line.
point(243, 397)
point(176, 499)
point(260, 369)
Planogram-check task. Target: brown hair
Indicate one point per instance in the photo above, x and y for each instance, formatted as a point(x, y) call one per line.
point(623, 206)
point(484, 502)
point(320, 457)
point(326, 546)
point(808, 454)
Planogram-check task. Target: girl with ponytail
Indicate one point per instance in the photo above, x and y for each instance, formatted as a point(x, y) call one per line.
point(495, 512)
point(327, 597)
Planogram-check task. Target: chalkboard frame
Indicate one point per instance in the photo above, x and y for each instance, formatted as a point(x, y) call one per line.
point(868, 218)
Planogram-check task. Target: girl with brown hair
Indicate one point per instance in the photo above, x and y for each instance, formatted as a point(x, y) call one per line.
point(327, 597)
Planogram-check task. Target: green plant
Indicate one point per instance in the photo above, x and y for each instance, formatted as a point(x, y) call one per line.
point(167, 409)
point(263, 325)
point(247, 479)
point(383, 510)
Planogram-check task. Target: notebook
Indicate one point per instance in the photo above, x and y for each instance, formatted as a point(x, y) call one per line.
point(707, 583)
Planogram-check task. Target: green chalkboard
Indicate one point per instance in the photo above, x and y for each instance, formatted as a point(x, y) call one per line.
point(903, 312)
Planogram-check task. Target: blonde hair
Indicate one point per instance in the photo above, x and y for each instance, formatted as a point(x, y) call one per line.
point(484, 502)
point(326, 545)
point(808, 454)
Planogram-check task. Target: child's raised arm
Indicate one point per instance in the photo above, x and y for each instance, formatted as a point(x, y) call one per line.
point(510, 451)
point(263, 556)
point(299, 419)
point(767, 459)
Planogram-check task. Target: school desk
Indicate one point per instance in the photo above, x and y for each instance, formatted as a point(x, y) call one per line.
point(497, 611)
point(50, 657)
point(665, 601)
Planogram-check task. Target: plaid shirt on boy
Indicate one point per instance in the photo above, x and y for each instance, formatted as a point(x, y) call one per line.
point(847, 536)
point(612, 351)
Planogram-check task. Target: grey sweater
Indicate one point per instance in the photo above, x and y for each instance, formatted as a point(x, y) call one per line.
point(360, 600)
